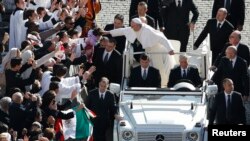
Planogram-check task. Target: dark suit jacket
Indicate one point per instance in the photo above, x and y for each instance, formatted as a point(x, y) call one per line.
point(104, 110)
point(120, 40)
point(153, 10)
point(14, 79)
point(150, 20)
point(236, 14)
point(218, 110)
point(176, 20)
point(242, 51)
point(217, 38)
point(192, 74)
point(238, 74)
point(153, 78)
point(112, 69)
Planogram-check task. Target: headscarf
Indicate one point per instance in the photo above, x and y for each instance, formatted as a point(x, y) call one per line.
point(14, 52)
point(26, 56)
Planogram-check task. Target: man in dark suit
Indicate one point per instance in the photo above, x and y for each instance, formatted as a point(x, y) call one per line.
point(176, 21)
point(102, 102)
point(108, 63)
point(233, 67)
point(142, 9)
point(145, 75)
point(120, 40)
point(236, 11)
point(153, 11)
point(184, 72)
point(228, 106)
point(242, 49)
point(219, 30)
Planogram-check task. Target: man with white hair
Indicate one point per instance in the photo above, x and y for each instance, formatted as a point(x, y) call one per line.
point(184, 72)
point(4, 110)
point(152, 41)
point(233, 67)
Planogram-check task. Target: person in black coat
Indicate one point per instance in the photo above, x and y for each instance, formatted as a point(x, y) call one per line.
point(178, 74)
point(4, 110)
point(120, 40)
point(242, 49)
point(228, 106)
point(151, 77)
point(20, 114)
point(233, 67)
point(142, 8)
point(154, 7)
point(108, 63)
point(236, 11)
point(102, 102)
point(219, 30)
point(13, 75)
point(176, 21)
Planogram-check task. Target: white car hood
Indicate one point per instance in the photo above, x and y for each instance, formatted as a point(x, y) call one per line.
point(181, 114)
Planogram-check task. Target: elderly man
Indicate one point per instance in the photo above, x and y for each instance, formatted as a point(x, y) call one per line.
point(152, 41)
point(233, 67)
point(184, 72)
point(242, 49)
point(219, 29)
point(20, 114)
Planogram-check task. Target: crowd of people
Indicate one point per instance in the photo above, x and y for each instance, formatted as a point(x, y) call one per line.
point(55, 58)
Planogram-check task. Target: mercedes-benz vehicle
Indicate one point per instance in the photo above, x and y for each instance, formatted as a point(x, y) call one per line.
point(163, 114)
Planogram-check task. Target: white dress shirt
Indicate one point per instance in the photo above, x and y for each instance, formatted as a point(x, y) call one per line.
point(100, 94)
point(176, 2)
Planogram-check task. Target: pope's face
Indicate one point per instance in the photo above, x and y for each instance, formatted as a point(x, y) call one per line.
point(135, 26)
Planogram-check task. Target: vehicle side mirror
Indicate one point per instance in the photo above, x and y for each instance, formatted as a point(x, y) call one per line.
point(211, 90)
point(115, 88)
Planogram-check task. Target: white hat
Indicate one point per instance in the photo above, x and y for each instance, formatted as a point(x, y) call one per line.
point(137, 20)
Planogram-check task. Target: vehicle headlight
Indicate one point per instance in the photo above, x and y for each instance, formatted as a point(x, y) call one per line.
point(127, 135)
point(192, 136)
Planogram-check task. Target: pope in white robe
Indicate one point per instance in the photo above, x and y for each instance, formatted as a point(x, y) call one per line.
point(154, 42)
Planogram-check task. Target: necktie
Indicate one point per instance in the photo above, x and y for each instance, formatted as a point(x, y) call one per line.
point(228, 111)
point(179, 3)
point(231, 63)
point(102, 96)
point(218, 27)
point(184, 75)
point(227, 5)
point(144, 75)
point(105, 60)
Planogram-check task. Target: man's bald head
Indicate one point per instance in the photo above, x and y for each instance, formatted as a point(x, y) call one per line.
point(17, 97)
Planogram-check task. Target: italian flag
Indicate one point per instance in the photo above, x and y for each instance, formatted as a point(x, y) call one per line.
point(78, 127)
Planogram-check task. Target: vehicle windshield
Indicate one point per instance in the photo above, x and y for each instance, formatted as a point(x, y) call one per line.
point(178, 98)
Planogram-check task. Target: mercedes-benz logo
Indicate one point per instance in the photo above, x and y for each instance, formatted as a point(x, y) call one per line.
point(159, 137)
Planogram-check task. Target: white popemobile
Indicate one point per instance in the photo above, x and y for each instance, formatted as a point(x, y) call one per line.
point(163, 114)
